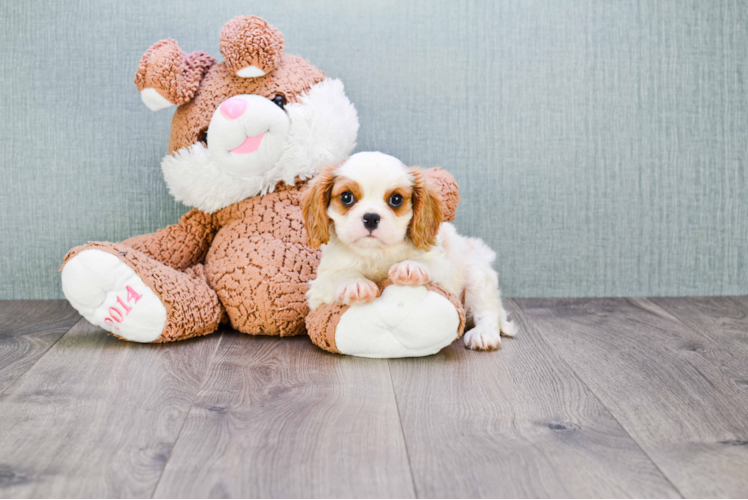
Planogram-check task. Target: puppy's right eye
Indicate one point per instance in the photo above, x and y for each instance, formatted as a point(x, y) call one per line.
point(347, 198)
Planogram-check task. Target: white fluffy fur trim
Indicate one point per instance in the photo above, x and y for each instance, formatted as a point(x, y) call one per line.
point(154, 100)
point(250, 71)
point(195, 180)
point(324, 127)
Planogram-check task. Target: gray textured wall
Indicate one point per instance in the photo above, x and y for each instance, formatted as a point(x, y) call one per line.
point(601, 145)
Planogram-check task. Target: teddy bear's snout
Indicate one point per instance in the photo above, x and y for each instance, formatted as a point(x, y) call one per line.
point(247, 134)
point(233, 108)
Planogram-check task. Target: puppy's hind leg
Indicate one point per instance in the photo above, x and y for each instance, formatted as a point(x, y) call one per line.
point(483, 300)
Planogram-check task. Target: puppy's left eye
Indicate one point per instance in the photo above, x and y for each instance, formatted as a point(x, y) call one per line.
point(396, 200)
point(347, 198)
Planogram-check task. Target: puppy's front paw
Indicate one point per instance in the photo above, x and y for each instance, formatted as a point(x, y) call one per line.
point(357, 291)
point(508, 329)
point(409, 272)
point(482, 338)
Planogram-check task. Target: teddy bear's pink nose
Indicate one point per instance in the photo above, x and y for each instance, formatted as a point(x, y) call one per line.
point(233, 108)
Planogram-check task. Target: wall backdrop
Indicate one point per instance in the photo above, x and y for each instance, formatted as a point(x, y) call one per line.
point(600, 145)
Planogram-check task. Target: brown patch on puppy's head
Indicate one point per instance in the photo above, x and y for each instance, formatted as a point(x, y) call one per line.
point(427, 212)
point(405, 194)
point(340, 187)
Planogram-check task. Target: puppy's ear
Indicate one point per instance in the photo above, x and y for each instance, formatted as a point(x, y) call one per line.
point(314, 202)
point(427, 211)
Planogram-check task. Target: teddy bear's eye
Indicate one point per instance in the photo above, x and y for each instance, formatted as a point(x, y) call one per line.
point(347, 198)
point(396, 200)
point(280, 101)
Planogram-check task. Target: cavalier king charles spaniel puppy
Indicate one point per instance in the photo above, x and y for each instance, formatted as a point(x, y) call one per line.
point(376, 218)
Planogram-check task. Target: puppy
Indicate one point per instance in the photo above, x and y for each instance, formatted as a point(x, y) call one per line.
point(376, 218)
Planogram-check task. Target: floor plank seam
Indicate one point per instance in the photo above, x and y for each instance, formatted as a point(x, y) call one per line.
point(681, 322)
point(583, 382)
point(187, 414)
point(402, 431)
point(20, 376)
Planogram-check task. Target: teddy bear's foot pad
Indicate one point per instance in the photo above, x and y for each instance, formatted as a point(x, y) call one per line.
point(405, 321)
point(109, 294)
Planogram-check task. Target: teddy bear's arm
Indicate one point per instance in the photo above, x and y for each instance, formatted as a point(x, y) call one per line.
point(180, 245)
point(450, 191)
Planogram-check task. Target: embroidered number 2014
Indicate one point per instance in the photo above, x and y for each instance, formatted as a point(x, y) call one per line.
point(115, 314)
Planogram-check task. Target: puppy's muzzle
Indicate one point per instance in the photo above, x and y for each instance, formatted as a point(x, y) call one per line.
point(371, 221)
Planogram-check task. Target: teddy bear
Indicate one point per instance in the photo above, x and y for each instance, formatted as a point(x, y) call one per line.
point(246, 136)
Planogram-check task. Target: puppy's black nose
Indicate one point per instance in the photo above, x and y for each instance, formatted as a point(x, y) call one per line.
point(371, 221)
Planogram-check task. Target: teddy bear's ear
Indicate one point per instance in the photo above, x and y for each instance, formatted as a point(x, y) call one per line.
point(251, 46)
point(449, 192)
point(168, 77)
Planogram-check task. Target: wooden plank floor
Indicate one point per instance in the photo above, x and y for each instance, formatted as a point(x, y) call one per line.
point(594, 398)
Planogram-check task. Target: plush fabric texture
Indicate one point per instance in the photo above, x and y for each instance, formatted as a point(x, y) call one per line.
point(260, 263)
point(257, 267)
point(181, 245)
point(435, 287)
point(322, 323)
point(323, 122)
point(172, 73)
point(442, 181)
point(291, 78)
point(323, 130)
point(249, 40)
point(192, 307)
point(111, 295)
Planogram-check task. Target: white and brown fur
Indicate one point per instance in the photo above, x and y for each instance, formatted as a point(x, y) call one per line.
point(410, 244)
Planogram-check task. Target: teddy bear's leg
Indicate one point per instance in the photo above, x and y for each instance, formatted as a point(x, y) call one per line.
point(404, 321)
point(137, 298)
point(262, 282)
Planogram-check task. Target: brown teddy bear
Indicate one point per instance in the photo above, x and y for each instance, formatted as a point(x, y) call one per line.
point(246, 136)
